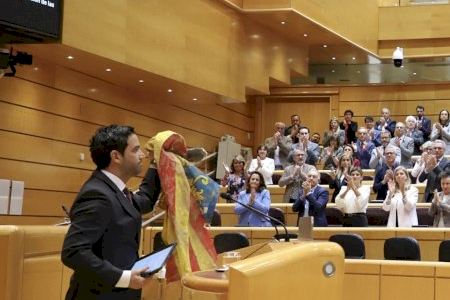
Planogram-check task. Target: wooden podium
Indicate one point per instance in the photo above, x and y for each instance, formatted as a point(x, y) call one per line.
point(292, 270)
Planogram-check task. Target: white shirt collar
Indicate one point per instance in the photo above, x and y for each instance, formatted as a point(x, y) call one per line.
point(116, 180)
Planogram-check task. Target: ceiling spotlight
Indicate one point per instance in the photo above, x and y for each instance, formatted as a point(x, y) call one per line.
point(325, 46)
point(333, 58)
point(414, 73)
point(92, 90)
point(141, 80)
point(35, 68)
point(305, 34)
point(108, 70)
point(283, 22)
point(70, 57)
point(169, 91)
point(195, 99)
point(332, 71)
point(358, 71)
point(353, 58)
point(255, 36)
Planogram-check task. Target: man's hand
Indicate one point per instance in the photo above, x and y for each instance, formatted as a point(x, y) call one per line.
point(136, 280)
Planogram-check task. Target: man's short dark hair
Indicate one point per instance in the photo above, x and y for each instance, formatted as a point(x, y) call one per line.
point(304, 127)
point(444, 175)
point(420, 107)
point(107, 139)
point(295, 115)
point(368, 119)
point(348, 111)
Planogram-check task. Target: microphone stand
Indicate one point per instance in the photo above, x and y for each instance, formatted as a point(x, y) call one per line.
point(270, 218)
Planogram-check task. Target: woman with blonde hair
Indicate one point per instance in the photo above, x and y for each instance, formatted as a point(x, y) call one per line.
point(401, 200)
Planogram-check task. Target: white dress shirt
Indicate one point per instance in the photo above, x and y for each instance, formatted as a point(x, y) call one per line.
point(351, 204)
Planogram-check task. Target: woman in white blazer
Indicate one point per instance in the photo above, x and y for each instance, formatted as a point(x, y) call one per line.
point(401, 200)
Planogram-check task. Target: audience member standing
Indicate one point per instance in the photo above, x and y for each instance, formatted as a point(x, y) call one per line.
point(256, 195)
point(349, 127)
point(312, 200)
point(263, 164)
point(235, 179)
point(364, 147)
point(373, 133)
point(401, 200)
point(353, 200)
point(413, 132)
point(295, 120)
point(441, 130)
point(406, 145)
point(334, 131)
point(423, 123)
point(434, 165)
point(312, 149)
point(384, 173)
point(294, 175)
point(419, 166)
point(331, 153)
point(385, 122)
point(278, 146)
point(340, 176)
point(440, 206)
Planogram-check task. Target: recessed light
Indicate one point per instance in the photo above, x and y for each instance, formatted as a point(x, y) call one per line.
point(141, 80)
point(169, 91)
point(108, 70)
point(353, 58)
point(333, 58)
point(358, 71)
point(92, 90)
point(325, 46)
point(332, 71)
point(255, 36)
point(283, 22)
point(195, 99)
point(35, 68)
point(70, 57)
point(414, 73)
point(305, 34)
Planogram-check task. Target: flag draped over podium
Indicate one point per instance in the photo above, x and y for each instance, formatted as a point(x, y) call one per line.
point(187, 194)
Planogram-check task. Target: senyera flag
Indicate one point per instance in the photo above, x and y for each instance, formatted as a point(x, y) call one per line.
point(190, 198)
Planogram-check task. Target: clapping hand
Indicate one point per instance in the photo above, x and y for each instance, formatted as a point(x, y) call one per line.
point(391, 186)
point(306, 187)
point(252, 195)
point(430, 163)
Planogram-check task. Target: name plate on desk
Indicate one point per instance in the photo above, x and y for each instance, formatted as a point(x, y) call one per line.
point(305, 228)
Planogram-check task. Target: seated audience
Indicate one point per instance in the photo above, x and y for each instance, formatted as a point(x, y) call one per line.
point(364, 147)
point(295, 121)
point(385, 122)
point(419, 165)
point(440, 206)
point(349, 127)
point(401, 200)
point(413, 132)
point(406, 145)
point(384, 173)
point(423, 123)
point(263, 164)
point(434, 165)
point(373, 133)
point(235, 179)
point(278, 146)
point(294, 175)
point(331, 153)
point(294, 134)
point(441, 130)
point(312, 200)
point(377, 155)
point(335, 132)
point(312, 149)
point(340, 175)
point(256, 195)
point(353, 200)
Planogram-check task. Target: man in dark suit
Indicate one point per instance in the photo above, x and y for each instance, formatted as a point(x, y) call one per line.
point(102, 242)
point(434, 165)
point(423, 123)
point(385, 122)
point(385, 172)
point(313, 200)
point(349, 127)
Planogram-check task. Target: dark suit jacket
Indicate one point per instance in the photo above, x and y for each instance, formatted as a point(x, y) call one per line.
point(318, 200)
point(103, 238)
point(351, 131)
point(426, 128)
point(433, 179)
point(390, 126)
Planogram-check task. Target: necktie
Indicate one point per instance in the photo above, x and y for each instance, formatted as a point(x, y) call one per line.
point(127, 194)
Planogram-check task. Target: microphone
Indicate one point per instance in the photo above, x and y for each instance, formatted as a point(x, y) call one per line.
point(227, 196)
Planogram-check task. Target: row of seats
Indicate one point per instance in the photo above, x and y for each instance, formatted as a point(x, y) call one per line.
point(396, 248)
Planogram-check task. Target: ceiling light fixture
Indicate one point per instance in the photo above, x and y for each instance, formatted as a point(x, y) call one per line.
point(195, 99)
point(70, 57)
point(283, 22)
point(305, 34)
point(333, 58)
point(169, 90)
point(108, 70)
point(141, 80)
point(325, 46)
